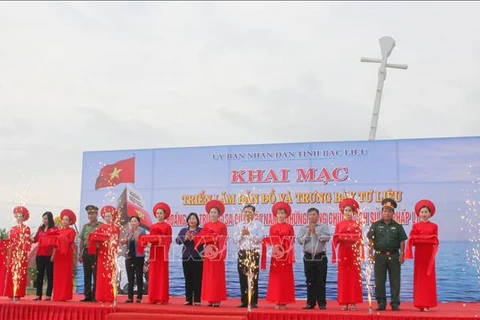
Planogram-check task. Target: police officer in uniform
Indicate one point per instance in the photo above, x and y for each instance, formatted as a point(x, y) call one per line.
point(386, 247)
point(89, 260)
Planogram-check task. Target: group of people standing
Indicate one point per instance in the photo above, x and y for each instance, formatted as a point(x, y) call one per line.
point(53, 257)
point(205, 250)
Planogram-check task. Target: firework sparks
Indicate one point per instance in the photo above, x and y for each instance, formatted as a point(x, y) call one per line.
point(112, 245)
point(112, 264)
point(472, 218)
point(111, 258)
point(250, 290)
point(19, 248)
point(19, 238)
point(367, 272)
point(252, 274)
point(249, 261)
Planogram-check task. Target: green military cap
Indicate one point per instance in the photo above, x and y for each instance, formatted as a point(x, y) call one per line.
point(389, 203)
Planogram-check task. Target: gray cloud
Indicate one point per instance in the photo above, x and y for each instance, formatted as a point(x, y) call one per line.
point(80, 76)
point(104, 128)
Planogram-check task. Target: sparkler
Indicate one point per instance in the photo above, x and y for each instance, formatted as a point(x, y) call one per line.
point(16, 271)
point(112, 253)
point(250, 290)
point(251, 273)
point(249, 261)
point(113, 249)
point(19, 258)
point(368, 263)
point(368, 275)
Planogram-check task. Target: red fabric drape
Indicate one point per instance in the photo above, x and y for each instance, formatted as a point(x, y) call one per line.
point(52, 311)
point(170, 316)
point(43, 310)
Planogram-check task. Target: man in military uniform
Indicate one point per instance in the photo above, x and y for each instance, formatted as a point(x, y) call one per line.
point(89, 260)
point(387, 238)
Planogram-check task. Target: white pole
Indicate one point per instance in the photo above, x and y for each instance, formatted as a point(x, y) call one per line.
point(382, 75)
point(386, 45)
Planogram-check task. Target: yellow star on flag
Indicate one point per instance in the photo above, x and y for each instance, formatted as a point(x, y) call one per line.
point(140, 214)
point(115, 173)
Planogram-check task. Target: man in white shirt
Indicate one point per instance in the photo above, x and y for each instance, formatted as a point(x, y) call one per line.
point(248, 235)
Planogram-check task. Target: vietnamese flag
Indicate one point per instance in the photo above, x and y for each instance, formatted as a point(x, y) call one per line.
point(122, 171)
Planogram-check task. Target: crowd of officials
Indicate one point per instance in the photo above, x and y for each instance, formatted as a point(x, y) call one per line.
point(204, 250)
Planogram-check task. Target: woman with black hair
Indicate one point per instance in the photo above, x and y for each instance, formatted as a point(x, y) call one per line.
point(43, 258)
point(134, 259)
point(191, 260)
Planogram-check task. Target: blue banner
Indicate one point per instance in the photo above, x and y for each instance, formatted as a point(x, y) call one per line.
point(316, 174)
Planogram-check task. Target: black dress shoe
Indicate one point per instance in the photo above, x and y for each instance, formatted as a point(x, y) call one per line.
point(187, 303)
point(308, 307)
point(242, 306)
point(380, 308)
point(129, 301)
point(322, 307)
point(395, 308)
point(254, 306)
point(93, 300)
point(86, 300)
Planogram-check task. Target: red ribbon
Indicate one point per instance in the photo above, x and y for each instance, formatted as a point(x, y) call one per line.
point(210, 237)
point(285, 242)
point(423, 239)
point(94, 238)
point(154, 240)
point(205, 236)
point(353, 238)
point(54, 239)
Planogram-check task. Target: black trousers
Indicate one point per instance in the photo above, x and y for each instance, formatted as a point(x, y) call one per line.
point(44, 266)
point(192, 271)
point(248, 260)
point(390, 263)
point(134, 268)
point(315, 268)
point(89, 272)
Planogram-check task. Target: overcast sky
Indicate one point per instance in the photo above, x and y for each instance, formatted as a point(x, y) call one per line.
point(80, 76)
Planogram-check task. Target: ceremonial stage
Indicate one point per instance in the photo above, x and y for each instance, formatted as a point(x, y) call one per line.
point(26, 309)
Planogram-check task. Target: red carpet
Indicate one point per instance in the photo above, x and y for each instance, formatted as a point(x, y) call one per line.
point(26, 309)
